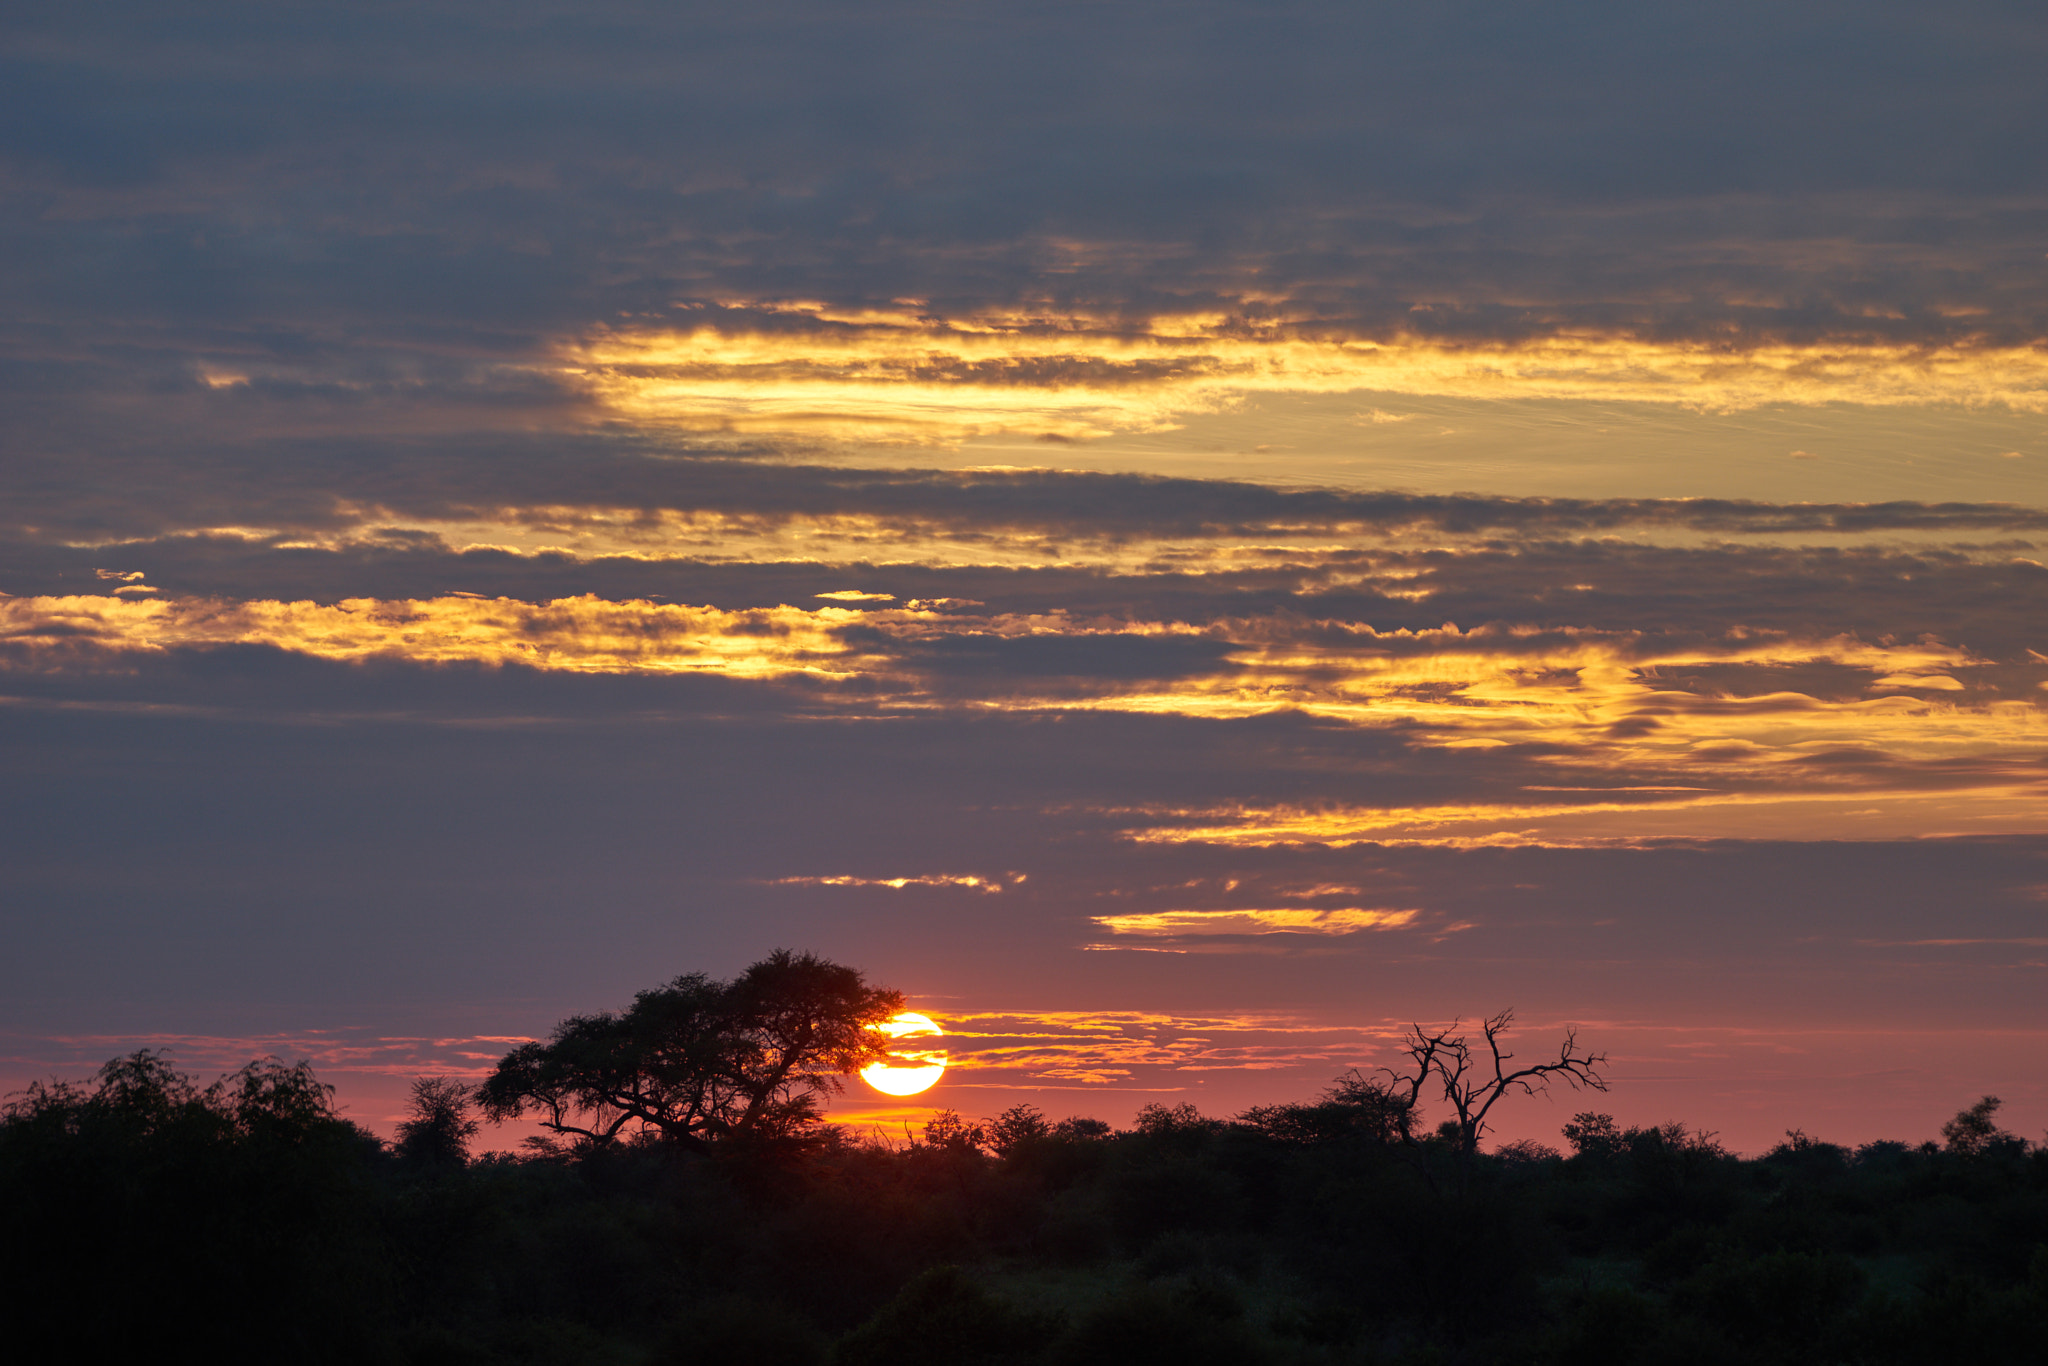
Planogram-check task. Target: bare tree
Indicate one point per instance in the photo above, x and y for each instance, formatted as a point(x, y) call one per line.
point(1474, 1078)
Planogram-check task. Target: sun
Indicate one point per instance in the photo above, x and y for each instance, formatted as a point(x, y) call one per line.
point(909, 1070)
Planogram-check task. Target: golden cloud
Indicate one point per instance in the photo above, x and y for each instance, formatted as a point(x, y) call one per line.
point(1600, 738)
point(1892, 810)
point(1114, 1048)
point(971, 881)
point(582, 634)
point(1293, 920)
point(903, 379)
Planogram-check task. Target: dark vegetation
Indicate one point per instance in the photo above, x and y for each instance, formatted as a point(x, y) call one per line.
point(144, 1214)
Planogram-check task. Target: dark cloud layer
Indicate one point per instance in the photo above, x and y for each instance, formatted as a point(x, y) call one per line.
point(1399, 561)
point(148, 483)
point(393, 189)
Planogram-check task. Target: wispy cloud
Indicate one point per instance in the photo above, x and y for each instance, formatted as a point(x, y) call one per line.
point(1289, 920)
point(1124, 1048)
point(971, 881)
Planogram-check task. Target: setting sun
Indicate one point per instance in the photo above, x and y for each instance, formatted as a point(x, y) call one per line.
point(914, 1069)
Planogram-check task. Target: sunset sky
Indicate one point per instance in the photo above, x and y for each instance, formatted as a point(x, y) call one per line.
point(1184, 537)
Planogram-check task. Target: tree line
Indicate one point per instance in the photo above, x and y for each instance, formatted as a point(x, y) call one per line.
point(690, 1204)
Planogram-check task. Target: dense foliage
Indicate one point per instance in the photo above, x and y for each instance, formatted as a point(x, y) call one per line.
point(145, 1213)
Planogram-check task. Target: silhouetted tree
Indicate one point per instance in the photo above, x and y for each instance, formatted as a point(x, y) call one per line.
point(1356, 1107)
point(948, 1132)
point(441, 1126)
point(141, 1190)
point(701, 1062)
point(1297, 1234)
point(1595, 1137)
point(143, 1096)
point(1474, 1082)
point(1166, 1121)
point(1080, 1127)
point(1973, 1131)
point(1015, 1127)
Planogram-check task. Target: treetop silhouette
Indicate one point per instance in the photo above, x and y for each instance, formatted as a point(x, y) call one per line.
point(701, 1062)
point(440, 1127)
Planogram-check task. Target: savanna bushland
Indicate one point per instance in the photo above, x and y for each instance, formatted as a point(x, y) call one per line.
point(690, 1205)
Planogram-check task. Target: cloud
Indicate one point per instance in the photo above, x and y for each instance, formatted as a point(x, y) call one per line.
point(972, 881)
point(1041, 651)
point(1288, 920)
point(1079, 378)
point(458, 219)
point(1110, 1049)
point(610, 495)
point(2001, 803)
point(1496, 734)
point(581, 634)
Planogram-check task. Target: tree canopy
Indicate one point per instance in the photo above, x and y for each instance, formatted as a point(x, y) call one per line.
point(130, 1202)
point(1343, 1230)
point(700, 1062)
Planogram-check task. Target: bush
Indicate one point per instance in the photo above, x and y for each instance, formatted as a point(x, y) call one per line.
point(1797, 1301)
point(1188, 1324)
point(738, 1328)
point(943, 1316)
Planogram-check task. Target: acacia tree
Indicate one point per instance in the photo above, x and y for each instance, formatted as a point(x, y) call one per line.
point(1473, 1082)
point(701, 1062)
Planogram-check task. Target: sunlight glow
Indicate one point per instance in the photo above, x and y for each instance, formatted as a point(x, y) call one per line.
point(915, 1069)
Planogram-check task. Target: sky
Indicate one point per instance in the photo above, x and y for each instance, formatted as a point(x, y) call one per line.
point(1186, 538)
